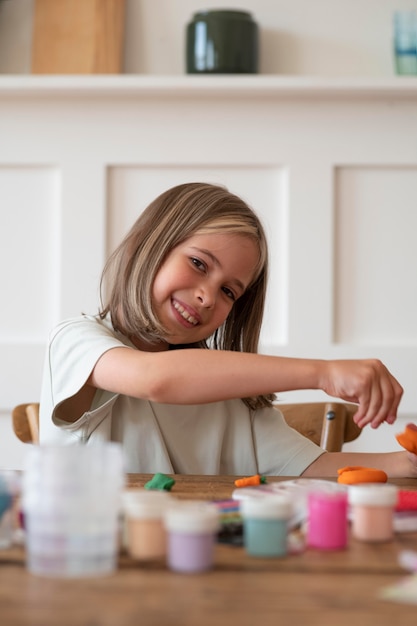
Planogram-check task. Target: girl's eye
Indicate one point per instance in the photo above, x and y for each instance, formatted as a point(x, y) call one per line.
point(229, 293)
point(198, 264)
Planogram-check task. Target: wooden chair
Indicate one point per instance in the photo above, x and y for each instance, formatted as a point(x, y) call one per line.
point(328, 424)
point(25, 419)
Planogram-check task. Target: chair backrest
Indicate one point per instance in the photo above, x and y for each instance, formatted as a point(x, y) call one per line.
point(25, 419)
point(328, 424)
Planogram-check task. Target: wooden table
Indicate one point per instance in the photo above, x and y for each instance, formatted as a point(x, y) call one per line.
point(335, 588)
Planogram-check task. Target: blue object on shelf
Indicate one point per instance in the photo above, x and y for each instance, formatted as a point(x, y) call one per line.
point(405, 42)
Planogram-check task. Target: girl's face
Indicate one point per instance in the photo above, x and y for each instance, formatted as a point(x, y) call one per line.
point(198, 283)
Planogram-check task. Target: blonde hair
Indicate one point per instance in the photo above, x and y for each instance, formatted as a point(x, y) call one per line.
point(174, 216)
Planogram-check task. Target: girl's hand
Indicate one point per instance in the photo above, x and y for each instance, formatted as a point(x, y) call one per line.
point(369, 384)
point(412, 459)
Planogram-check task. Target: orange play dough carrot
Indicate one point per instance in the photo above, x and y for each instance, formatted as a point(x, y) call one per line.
point(408, 438)
point(250, 481)
point(352, 475)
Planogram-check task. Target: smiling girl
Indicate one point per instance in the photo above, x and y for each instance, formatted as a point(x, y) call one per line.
point(169, 367)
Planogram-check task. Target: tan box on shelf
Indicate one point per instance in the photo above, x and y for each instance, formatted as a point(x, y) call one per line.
point(78, 36)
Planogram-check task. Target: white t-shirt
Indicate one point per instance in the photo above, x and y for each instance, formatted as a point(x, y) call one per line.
point(216, 438)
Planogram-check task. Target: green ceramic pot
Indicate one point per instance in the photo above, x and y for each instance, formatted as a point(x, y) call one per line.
point(222, 42)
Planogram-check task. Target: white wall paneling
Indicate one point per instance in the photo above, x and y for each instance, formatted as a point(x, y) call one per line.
point(376, 209)
point(330, 166)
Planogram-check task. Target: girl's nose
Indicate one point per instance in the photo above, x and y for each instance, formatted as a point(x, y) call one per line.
point(206, 296)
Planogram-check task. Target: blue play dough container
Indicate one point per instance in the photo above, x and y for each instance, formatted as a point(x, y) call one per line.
point(265, 525)
point(6, 522)
point(5, 502)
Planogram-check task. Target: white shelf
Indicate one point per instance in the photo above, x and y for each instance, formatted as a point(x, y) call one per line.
point(230, 86)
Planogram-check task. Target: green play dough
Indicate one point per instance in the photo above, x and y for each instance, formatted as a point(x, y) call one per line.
point(161, 482)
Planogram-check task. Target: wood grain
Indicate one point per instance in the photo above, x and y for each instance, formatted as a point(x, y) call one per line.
point(312, 588)
point(78, 36)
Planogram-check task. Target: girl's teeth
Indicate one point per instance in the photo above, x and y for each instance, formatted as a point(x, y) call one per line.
point(184, 314)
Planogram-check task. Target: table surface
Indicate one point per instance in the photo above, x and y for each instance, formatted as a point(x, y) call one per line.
point(313, 587)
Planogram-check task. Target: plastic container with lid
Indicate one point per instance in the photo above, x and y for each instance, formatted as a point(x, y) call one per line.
point(372, 511)
point(327, 520)
point(192, 528)
point(265, 524)
point(145, 532)
point(71, 501)
point(10, 482)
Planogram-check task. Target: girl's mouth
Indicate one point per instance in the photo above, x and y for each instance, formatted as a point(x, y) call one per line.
point(184, 314)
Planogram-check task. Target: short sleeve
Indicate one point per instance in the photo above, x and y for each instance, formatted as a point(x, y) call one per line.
point(74, 348)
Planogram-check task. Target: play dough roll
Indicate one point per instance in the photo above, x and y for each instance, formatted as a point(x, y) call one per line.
point(408, 438)
point(357, 474)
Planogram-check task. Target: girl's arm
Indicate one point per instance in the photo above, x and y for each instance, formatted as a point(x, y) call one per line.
point(194, 376)
point(396, 464)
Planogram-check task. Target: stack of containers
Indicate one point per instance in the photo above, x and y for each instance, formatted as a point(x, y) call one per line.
point(71, 501)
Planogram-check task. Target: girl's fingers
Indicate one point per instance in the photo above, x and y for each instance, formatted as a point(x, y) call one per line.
point(392, 416)
point(382, 402)
point(390, 393)
point(371, 385)
point(386, 398)
point(370, 404)
point(397, 393)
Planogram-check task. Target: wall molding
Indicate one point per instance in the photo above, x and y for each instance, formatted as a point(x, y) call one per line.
point(232, 86)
